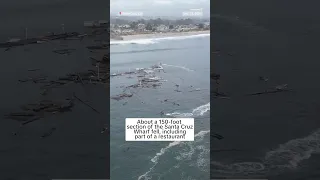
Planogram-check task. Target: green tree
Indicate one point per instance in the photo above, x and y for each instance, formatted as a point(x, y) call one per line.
point(149, 27)
point(133, 25)
point(201, 25)
point(170, 26)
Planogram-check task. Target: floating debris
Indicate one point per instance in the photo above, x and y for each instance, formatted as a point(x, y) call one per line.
point(217, 136)
point(27, 41)
point(121, 96)
point(21, 116)
point(277, 89)
point(197, 89)
point(104, 130)
point(86, 104)
point(98, 75)
point(220, 95)
point(151, 79)
point(33, 69)
point(40, 79)
point(98, 47)
point(215, 76)
point(33, 112)
point(64, 51)
point(49, 133)
point(262, 78)
point(50, 106)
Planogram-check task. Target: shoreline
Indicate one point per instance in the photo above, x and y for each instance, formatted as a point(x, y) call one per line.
point(159, 35)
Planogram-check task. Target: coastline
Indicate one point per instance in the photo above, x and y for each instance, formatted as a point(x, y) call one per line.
point(159, 35)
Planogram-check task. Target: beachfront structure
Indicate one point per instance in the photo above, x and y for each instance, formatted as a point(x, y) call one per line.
point(141, 27)
point(162, 28)
point(125, 26)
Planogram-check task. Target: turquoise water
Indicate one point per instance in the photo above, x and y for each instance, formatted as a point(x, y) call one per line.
point(186, 61)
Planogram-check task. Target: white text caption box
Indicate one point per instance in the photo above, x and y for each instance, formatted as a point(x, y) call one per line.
point(159, 129)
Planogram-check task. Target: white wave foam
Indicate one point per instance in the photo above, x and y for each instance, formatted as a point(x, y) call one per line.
point(136, 41)
point(286, 156)
point(203, 162)
point(199, 111)
point(181, 37)
point(156, 40)
point(154, 160)
point(182, 67)
point(163, 150)
point(237, 168)
point(198, 137)
point(290, 154)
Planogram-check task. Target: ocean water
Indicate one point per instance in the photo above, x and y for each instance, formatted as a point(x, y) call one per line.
point(186, 62)
point(273, 136)
point(77, 149)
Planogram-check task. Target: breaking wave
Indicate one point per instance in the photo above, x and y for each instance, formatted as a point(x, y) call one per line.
point(286, 157)
point(181, 67)
point(198, 137)
point(156, 40)
point(199, 111)
point(136, 41)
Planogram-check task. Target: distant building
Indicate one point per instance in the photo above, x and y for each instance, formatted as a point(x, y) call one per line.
point(162, 28)
point(141, 27)
point(125, 26)
point(206, 25)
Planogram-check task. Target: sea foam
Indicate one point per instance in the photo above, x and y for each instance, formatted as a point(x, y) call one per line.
point(156, 40)
point(199, 111)
point(198, 137)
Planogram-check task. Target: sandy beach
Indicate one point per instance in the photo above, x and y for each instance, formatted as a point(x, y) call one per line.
point(159, 35)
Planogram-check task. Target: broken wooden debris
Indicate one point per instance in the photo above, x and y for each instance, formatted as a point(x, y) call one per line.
point(215, 76)
point(277, 89)
point(34, 79)
point(262, 78)
point(33, 69)
point(21, 116)
point(104, 130)
point(23, 42)
point(216, 52)
point(217, 136)
point(95, 110)
point(121, 96)
point(97, 75)
point(267, 92)
point(172, 102)
point(98, 47)
point(36, 111)
point(49, 133)
point(50, 106)
point(64, 51)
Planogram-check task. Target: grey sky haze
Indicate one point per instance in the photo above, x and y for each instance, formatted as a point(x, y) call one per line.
point(159, 7)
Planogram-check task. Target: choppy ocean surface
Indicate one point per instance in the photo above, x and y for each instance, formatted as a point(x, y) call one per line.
point(186, 62)
point(273, 136)
point(77, 149)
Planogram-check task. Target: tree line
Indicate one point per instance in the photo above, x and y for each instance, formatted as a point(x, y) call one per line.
point(151, 23)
